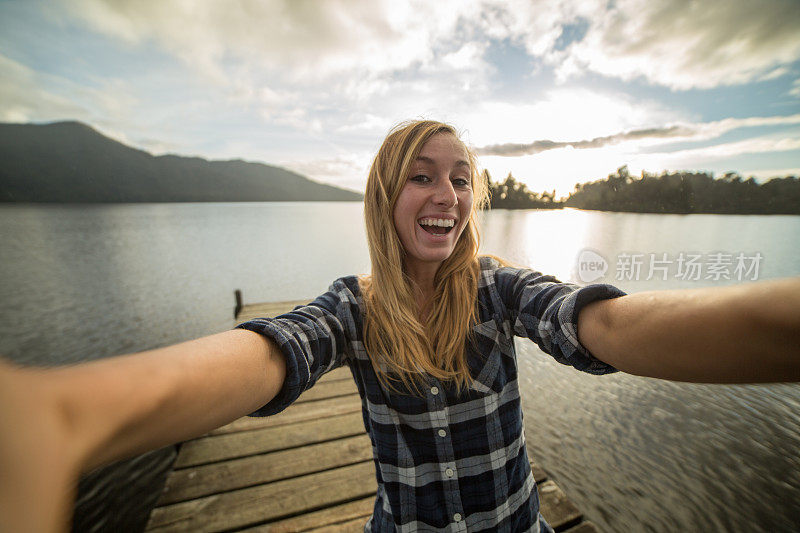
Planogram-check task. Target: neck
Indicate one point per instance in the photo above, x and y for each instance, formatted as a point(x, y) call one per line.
point(422, 276)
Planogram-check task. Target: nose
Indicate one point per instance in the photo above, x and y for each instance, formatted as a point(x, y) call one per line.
point(445, 195)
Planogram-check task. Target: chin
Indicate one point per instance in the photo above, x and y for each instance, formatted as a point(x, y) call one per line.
point(436, 256)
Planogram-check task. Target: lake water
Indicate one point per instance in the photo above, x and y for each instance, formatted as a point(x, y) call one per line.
point(635, 454)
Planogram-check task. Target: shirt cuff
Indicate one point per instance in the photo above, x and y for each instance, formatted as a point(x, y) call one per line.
point(297, 371)
point(566, 341)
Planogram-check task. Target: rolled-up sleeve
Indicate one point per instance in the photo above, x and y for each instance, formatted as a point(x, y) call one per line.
point(314, 340)
point(546, 311)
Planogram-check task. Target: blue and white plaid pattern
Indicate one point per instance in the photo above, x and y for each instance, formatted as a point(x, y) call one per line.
point(444, 462)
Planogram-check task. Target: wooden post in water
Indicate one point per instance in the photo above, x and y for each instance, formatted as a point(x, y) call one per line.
point(238, 295)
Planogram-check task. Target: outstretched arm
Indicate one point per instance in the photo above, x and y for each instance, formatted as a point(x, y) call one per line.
point(58, 422)
point(738, 334)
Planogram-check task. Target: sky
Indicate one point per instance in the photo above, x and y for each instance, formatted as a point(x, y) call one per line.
point(555, 92)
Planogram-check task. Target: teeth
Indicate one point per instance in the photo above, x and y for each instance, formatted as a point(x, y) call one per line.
point(441, 222)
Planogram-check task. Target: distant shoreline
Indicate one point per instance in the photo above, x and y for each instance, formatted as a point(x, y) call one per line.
point(627, 212)
point(677, 193)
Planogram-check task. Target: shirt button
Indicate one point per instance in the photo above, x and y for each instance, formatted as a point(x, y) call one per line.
point(457, 517)
point(449, 473)
point(434, 390)
point(442, 433)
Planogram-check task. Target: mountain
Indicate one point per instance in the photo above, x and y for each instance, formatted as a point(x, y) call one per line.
point(69, 162)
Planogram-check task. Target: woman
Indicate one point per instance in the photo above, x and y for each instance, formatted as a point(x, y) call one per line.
point(428, 338)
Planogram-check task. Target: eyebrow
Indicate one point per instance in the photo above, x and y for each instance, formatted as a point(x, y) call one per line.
point(430, 161)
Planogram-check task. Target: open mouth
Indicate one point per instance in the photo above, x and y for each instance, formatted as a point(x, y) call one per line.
point(437, 226)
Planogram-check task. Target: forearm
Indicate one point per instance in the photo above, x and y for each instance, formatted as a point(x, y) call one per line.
point(121, 406)
point(737, 334)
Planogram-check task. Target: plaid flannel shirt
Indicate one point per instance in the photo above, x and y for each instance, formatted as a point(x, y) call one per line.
point(444, 462)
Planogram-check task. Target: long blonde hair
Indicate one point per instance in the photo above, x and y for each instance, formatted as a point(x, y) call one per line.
point(401, 348)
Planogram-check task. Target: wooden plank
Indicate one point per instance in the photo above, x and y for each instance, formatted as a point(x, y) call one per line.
point(295, 413)
point(555, 507)
point(357, 510)
point(120, 496)
point(334, 375)
point(264, 503)
point(328, 389)
point(539, 475)
point(269, 309)
point(217, 448)
point(351, 526)
point(583, 527)
point(189, 483)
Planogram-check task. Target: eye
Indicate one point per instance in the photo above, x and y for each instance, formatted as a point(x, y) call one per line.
point(460, 182)
point(420, 178)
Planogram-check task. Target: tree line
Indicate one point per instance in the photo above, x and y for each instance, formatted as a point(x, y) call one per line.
point(669, 192)
point(513, 194)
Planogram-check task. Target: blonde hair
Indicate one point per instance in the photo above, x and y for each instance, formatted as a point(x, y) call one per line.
point(401, 348)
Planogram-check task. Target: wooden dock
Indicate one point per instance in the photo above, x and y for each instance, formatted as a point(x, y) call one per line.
point(308, 468)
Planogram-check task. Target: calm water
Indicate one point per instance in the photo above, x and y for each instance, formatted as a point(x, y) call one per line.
point(636, 454)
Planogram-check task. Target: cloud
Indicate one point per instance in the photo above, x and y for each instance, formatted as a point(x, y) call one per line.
point(365, 122)
point(328, 66)
point(714, 129)
point(687, 44)
point(795, 90)
point(23, 97)
point(303, 65)
point(514, 150)
point(358, 49)
point(563, 114)
point(719, 157)
point(681, 44)
point(660, 134)
point(766, 174)
point(28, 95)
point(726, 150)
point(302, 39)
point(539, 25)
point(345, 170)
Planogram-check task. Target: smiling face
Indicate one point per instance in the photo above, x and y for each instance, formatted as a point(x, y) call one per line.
point(435, 203)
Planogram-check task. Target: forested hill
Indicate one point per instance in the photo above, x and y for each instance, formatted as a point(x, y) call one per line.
point(70, 162)
point(688, 192)
point(669, 192)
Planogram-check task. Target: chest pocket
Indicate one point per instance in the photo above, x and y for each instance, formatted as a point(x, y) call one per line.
point(491, 356)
